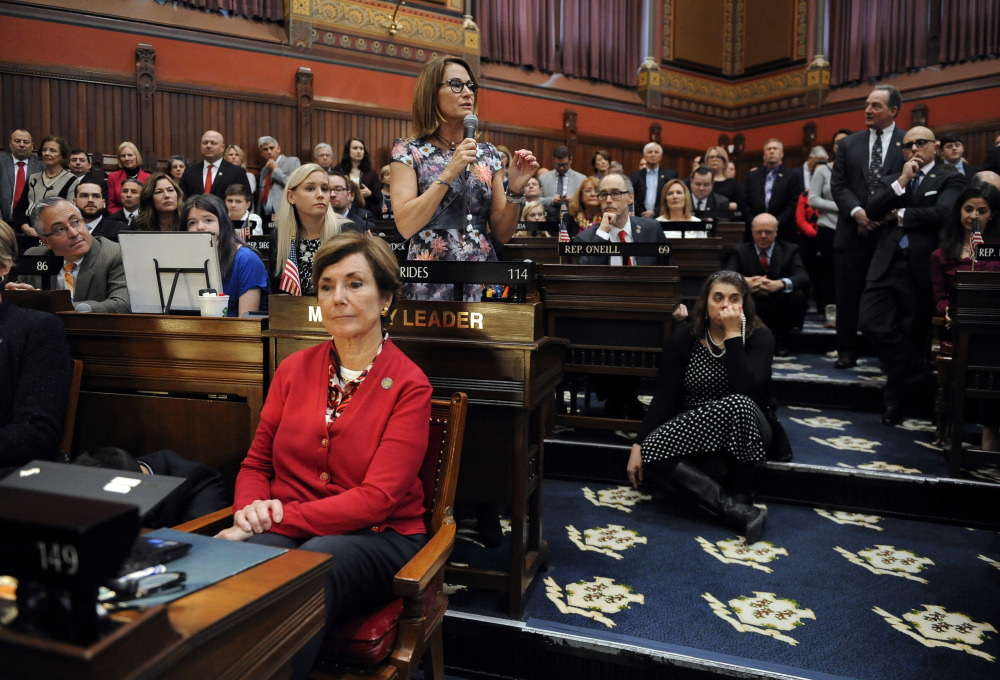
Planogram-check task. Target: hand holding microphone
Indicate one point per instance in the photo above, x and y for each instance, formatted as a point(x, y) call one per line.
point(469, 125)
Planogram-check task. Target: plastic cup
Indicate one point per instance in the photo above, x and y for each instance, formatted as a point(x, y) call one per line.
point(214, 305)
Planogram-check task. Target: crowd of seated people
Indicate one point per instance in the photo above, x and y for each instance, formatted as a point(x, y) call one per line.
point(901, 220)
point(837, 243)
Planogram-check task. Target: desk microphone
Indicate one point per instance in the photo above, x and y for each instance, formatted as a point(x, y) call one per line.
point(469, 125)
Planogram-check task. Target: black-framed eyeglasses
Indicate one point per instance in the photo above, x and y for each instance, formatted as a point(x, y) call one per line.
point(75, 223)
point(339, 190)
point(615, 195)
point(919, 143)
point(456, 85)
point(716, 157)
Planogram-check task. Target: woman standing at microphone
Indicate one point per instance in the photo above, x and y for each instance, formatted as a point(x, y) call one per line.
point(447, 190)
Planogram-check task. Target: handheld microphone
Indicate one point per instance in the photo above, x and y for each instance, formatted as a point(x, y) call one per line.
point(469, 125)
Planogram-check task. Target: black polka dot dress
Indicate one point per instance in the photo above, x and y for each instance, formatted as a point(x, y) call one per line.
point(712, 420)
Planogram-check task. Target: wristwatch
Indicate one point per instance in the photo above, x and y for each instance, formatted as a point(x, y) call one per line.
point(512, 197)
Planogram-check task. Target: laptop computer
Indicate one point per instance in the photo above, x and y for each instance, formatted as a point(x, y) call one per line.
point(82, 481)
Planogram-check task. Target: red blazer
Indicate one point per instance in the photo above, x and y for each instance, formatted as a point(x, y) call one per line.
point(364, 471)
point(115, 180)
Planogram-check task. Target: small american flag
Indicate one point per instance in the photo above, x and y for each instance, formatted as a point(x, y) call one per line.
point(563, 235)
point(290, 282)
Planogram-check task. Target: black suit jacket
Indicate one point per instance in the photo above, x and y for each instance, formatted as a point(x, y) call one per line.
point(643, 231)
point(785, 263)
point(926, 210)
point(992, 161)
point(35, 371)
point(192, 183)
point(784, 198)
point(638, 179)
point(202, 492)
point(849, 180)
point(108, 228)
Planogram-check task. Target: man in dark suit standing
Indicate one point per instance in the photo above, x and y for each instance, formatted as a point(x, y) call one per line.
point(215, 174)
point(16, 166)
point(896, 303)
point(704, 201)
point(862, 160)
point(774, 189)
point(648, 183)
point(616, 193)
point(992, 160)
point(777, 278)
point(89, 200)
point(952, 150)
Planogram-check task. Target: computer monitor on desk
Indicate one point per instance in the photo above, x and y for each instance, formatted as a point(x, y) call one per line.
point(165, 270)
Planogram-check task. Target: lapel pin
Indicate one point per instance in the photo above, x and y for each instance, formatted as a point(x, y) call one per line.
point(386, 383)
point(638, 229)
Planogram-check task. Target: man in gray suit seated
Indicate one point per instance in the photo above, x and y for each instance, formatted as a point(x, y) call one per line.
point(93, 271)
point(273, 175)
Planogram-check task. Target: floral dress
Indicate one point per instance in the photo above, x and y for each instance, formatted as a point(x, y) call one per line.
point(450, 235)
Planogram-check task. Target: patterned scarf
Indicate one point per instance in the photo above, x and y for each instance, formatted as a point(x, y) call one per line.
point(340, 392)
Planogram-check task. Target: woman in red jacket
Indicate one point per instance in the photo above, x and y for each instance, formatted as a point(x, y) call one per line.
point(129, 166)
point(334, 466)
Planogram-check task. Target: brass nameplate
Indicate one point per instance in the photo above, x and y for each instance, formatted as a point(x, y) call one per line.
point(497, 322)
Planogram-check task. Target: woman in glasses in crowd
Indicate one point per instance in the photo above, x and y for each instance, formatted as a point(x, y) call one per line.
point(448, 195)
point(717, 158)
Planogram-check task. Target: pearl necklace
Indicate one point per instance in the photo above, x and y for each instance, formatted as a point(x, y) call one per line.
point(712, 343)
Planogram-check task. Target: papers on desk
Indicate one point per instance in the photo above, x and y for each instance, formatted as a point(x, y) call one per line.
point(211, 560)
point(687, 233)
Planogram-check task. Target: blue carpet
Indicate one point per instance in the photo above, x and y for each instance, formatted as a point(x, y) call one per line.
point(852, 439)
point(655, 575)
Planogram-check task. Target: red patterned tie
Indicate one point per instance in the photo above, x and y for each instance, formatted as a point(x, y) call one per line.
point(208, 179)
point(265, 191)
point(627, 261)
point(764, 262)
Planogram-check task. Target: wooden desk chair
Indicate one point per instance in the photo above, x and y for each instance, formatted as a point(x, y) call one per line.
point(66, 445)
point(975, 366)
point(390, 641)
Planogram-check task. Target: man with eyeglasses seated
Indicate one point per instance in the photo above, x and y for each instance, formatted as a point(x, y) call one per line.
point(896, 305)
point(93, 271)
point(344, 201)
point(615, 193)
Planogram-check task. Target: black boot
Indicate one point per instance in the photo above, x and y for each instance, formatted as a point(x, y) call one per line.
point(746, 519)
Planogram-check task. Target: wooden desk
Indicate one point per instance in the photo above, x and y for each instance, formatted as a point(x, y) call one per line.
point(975, 363)
point(697, 259)
point(535, 248)
point(206, 376)
point(247, 626)
point(731, 234)
point(498, 354)
point(617, 320)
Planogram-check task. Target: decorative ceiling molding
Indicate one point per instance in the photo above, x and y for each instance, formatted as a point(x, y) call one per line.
point(364, 26)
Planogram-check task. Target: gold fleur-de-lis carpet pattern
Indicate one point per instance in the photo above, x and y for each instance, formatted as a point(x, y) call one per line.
point(824, 593)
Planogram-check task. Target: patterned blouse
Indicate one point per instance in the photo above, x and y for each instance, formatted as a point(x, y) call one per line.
point(450, 235)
